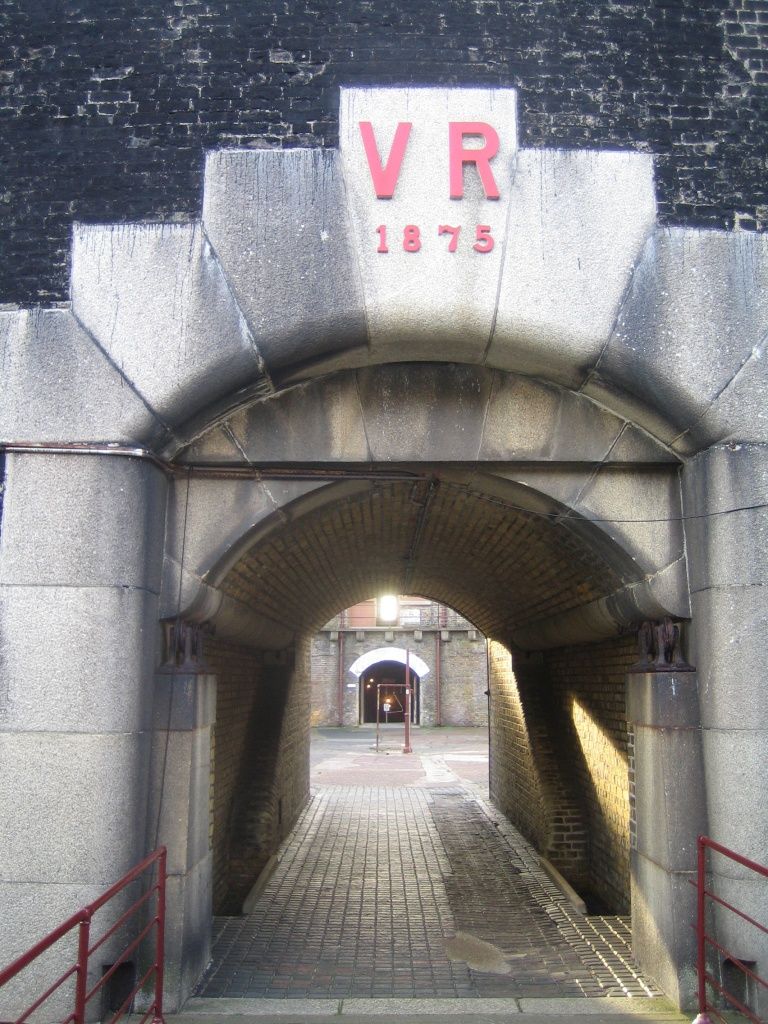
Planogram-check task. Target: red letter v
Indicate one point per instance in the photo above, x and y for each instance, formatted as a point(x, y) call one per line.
point(385, 178)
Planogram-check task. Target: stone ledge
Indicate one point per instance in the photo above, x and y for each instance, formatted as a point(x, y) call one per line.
point(412, 1011)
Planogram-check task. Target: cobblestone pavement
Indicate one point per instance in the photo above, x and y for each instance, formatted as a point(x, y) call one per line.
point(394, 855)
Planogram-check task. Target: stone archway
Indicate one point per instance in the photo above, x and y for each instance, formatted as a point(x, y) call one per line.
point(397, 656)
point(190, 342)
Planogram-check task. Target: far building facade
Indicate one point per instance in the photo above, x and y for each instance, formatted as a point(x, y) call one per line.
point(360, 658)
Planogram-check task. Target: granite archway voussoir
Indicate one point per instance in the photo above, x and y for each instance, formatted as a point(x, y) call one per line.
point(426, 412)
point(155, 299)
point(209, 521)
point(318, 420)
point(578, 223)
point(618, 509)
point(279, 223)
point(686, 358)
point(426, 303)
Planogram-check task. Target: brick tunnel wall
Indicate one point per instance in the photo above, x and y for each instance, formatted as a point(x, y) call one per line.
point(238, 674)
point(108, 105)
point(527, 780)
point(589, 686)
point(260, 762)
point(559, 766)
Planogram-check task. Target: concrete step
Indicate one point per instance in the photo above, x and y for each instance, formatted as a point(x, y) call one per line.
point(427, 1011)
point(423, 1018)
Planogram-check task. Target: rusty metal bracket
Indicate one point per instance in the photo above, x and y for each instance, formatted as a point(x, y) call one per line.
point(659, 647)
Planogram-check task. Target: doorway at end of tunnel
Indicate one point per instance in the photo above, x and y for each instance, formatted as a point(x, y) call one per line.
point(384, 684)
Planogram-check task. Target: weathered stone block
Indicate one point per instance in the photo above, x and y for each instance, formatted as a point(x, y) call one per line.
point(578, 222)
point(732, 663)
point(424, 413)
point(663, 699)
point(212, 521)
point(529, 419)
point(180, 793)
point(59, 386)
point(635, 445)
point(670, 805)
point(188, 932)
point(696, 307)
point(728, 548)
point(79, 520)
point(64, 661)
point(183, 701)
point(627, 501)
point(321, 420)
point(618, 508)
point(215, 445)
point(89, 790)
point(154, 295)
point(413, 298)
point(663, 942)
point(739, 412)
point(279, 223)
point(734, 761)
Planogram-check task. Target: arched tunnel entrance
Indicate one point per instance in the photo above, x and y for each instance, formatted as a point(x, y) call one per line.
point(560, 745)
point(552, 543)
point(558, 725)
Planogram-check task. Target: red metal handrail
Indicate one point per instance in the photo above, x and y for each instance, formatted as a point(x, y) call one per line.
point(705, 941)
point(82, 921)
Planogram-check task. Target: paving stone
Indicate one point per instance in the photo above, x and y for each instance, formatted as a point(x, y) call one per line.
point(376, 877)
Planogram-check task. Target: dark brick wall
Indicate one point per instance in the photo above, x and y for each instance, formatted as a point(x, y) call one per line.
point(560, 767)
point(107, 105)
point(260, 762)
point(238, 675)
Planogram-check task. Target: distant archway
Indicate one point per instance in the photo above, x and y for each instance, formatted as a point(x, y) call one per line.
point(381, 689)
point(399, 654)
point(392, 658)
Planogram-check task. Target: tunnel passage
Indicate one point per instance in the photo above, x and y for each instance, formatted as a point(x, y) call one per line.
point(559, 735)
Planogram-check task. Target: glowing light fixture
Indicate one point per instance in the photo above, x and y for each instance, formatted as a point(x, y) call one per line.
point(389, 608)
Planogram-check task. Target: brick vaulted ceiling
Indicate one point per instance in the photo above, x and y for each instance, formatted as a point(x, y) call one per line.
point(500, 567)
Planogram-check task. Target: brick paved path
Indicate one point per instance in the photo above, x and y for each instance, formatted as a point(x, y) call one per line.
point(375, 878)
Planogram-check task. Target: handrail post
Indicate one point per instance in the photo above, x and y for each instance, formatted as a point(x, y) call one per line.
point(700, 923)
point(701, 876)
point(160, 950)
point(407, 748)
point(81, 984)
